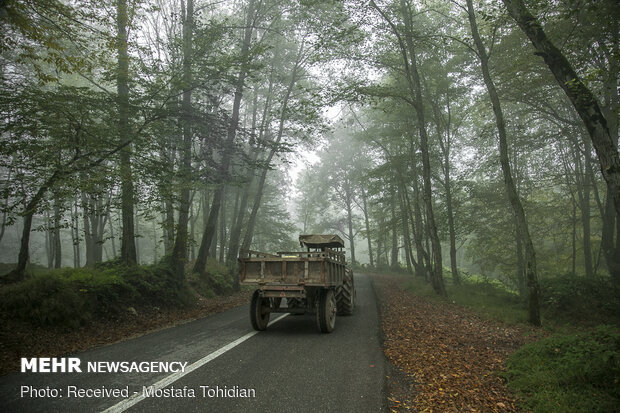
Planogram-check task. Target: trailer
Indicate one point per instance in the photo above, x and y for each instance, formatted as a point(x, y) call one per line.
point(316, 280)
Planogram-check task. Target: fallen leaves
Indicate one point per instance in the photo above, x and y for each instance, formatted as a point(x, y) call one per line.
point(450, 357)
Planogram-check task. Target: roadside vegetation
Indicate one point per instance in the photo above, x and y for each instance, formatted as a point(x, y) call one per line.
point(63, 311)
point(72, 297)
point(573, 363)
point(577, 372)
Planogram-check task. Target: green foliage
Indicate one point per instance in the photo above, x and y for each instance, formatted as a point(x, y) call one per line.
point(585, 299)
point(46, 300)
point(216, 279)
point(71, 297)
point(488, 297)
point(569, 373)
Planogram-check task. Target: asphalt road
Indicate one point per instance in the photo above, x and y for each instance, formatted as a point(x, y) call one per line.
point(290, 367)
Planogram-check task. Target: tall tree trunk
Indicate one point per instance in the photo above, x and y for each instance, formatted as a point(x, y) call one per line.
point(422, 270)
point(88, 233)
point(99, 221)
point(511, 190)
point(394, 261)
point(48, 241)
point(249, 233)
point(112, 237)
point(5, 209)
point(611, 220)
point(128, 245)
point(581, 97)
point(445, 149)
point(179, 251)
point(411, 69)
point(405, 227)
point(211, 225)
point(168, 226)
point(235, 233)
point(367, 223)
point(192, 227)
point(380, 242)
point(223, 230)
point(75, 218)
point(56, 242)
point(349, 205)
point(583, 192)
point(137, 223)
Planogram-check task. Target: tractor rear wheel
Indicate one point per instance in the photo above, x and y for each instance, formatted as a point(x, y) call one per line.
point(345, 295)
point(326, 311)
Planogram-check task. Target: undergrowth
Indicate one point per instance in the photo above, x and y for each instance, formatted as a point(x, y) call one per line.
point(216, 280)
point(575, 370)
point(569, 372)
point(71, 297)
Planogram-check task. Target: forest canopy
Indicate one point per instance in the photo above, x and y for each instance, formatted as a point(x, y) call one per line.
point(437, 138)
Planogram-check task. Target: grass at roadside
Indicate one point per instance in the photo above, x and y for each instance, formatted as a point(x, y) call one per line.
point(487, 297)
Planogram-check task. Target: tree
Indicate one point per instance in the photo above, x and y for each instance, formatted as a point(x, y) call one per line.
point(128, 243)
point(522, 228)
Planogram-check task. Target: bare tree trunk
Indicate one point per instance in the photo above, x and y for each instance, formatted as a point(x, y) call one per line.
point(582, 181)
point(179, 251)
point(48, 241)
point(405, 227)
point(56, 244)
point(75, 218)
point(367, 223)
point(445, 149)
point(417, 223)
point(112, 237)
point(223, 230)
point(235, 233)
point(88, 235)
point(128, 245)
point(413, 75)
point(137, 242)
point(394, 261)
point(511, 190)
point(611, 220)
point(349, 205)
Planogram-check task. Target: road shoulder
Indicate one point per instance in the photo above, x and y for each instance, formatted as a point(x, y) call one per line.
point(443, 357)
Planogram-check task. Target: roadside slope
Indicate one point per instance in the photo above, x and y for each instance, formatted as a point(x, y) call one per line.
point(447, 358)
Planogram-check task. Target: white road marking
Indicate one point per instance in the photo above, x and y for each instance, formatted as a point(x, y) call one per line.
point(166, 381)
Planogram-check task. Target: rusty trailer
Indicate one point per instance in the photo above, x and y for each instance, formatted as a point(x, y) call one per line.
point(316, 280)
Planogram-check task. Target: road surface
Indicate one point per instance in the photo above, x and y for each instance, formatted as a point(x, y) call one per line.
point(290, 367)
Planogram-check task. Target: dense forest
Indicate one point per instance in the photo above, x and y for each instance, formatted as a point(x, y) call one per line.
point(438, 138)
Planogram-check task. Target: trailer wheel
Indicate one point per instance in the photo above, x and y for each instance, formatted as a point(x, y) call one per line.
point(259, 311)
point(345, 295)
point(326, 311)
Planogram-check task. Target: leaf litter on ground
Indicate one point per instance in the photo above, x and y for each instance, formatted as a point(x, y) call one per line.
point(448, 359)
